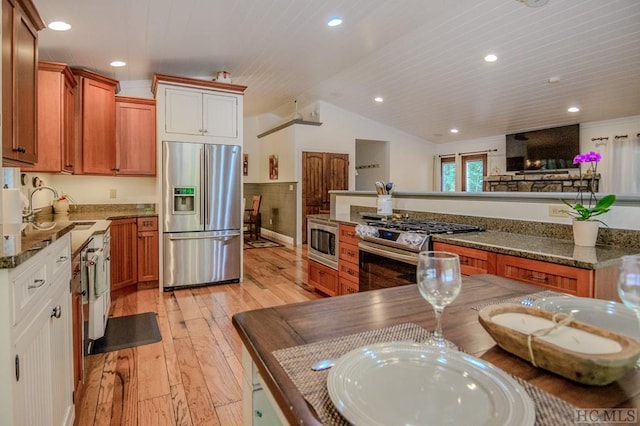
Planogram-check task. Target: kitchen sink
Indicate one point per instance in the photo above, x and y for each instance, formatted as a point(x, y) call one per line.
point(82, 226)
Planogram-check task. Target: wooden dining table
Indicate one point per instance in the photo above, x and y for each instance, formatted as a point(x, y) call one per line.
point(267, 330)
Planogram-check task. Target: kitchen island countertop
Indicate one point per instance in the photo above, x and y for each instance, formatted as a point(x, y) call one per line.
point(553, 250)
point(318, 320)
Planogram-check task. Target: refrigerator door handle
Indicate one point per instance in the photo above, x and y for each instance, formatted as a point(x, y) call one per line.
point(215, 237)
point(203, 190)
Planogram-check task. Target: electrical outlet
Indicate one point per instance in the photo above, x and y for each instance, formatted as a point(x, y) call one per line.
point(557, 211)
point(270, 221)
point(112, 193)
point(290, 187)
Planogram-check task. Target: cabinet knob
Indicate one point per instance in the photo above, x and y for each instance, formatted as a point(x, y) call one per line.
point(205, 131)
point(20, 149)
point(56, 312)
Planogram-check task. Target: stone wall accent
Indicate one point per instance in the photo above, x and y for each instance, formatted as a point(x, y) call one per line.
point(537, 182)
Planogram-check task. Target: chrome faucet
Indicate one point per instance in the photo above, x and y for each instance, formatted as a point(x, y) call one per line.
point(30, 214)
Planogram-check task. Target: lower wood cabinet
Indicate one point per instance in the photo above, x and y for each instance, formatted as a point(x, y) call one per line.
point(124, 253)
point(323, 278)
point(134, 251)
point(566, 279)
point(148, 263)
point(77, 326)
point(348, 269)
point(472, 261)
point(562, 278)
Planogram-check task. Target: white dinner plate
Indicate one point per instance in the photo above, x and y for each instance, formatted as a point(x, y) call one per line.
point(415, 384)
point(601, 313)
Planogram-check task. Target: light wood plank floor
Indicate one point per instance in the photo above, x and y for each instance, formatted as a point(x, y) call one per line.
point(194, 376)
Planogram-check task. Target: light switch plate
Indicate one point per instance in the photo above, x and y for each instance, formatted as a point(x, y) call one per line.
point(112, 193)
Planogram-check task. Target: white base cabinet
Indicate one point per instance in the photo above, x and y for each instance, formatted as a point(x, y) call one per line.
point(36, 301)
point(259, 407)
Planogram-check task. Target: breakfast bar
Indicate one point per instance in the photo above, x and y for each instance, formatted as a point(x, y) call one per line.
point(271, 330)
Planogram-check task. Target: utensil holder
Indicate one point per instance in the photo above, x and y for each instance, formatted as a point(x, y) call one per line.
point(384, 204)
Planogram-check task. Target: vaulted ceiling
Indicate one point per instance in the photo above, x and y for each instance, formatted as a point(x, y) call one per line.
point(425, 58)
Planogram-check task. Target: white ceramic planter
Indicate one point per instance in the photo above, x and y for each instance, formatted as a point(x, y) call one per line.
point(585, 232)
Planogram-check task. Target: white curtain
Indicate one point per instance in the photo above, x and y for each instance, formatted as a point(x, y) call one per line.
point(623, 168)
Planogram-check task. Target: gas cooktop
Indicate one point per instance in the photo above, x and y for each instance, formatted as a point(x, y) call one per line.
point(423, 226)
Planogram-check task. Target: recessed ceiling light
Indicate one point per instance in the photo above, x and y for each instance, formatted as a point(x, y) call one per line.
point(59, 26)
point(335, 21)
point(573, 109)
point(554, 79)
point(118, 64)
point(491, 58)
point(454, 130)
point(378, 99)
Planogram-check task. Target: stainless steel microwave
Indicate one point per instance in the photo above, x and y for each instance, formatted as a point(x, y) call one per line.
point(322, 240)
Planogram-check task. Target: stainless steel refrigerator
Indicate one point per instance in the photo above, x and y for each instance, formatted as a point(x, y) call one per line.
point(202, 217)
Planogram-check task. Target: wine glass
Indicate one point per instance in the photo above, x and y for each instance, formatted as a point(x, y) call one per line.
point(629, 285)
point(439, 282)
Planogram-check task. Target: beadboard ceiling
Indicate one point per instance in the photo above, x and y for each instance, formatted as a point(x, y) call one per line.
point(424, 57)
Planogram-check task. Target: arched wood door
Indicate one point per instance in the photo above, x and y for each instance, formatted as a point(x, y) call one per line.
point(321, 173)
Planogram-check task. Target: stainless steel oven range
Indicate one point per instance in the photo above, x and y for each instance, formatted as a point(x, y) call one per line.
point(389, 249)
point(322, 240)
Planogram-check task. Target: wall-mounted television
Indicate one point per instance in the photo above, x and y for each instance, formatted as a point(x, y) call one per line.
point(546, 149)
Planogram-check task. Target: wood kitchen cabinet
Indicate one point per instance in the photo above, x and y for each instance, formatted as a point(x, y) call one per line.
point(56, 88)
point(135, 147)
point(472, 261)
point(148, 262)
point(566, 279)
point(348, 269)
point(95, 123)
point(124, 253)
point(20, 25)
point(134, 252)
point(562, 278)
point(77, 326)
point(323, 278)
point(321, 173)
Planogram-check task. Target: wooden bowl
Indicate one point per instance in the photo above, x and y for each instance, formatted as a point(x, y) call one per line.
point(587, 368)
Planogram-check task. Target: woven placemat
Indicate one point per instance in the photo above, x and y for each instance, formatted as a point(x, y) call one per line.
point(297, 362)
point(519, 299)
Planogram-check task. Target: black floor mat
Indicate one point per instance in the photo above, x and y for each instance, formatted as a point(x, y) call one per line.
point(127, 332)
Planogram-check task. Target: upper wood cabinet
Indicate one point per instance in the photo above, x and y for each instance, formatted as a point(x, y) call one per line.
point(95, 123)
point(20, 25)
point(203, 114)
point(135, 136)
point(56, 86)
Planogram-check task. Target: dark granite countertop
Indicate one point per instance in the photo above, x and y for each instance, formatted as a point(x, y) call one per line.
point(554, 250)
point(23, 241)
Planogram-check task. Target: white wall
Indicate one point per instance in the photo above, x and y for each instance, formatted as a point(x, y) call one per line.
point(372, 163)
point(136, 88)
point(94, 189)
point(409, 157)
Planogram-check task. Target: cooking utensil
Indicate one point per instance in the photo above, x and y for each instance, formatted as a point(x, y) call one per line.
point(389, 187)
point(380, 188)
